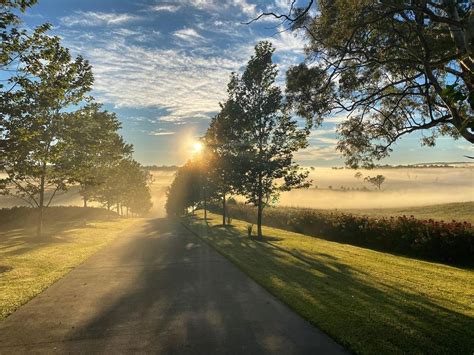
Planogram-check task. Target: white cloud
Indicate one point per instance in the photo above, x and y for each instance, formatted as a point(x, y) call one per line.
point(188, 34)
point(160, 132)
point(187, 85)
point(91, 18)
point(165, 8)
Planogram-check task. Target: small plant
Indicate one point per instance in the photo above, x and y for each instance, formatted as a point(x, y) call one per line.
point(249, 230)
point(229, 220)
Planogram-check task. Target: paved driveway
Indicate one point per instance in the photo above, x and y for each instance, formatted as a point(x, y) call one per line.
point(159, 290)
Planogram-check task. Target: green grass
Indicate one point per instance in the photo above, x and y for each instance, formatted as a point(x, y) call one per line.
point(29, 265)
point(460, 211)
point(370, 302)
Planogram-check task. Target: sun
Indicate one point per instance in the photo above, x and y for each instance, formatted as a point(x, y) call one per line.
point(197, 147)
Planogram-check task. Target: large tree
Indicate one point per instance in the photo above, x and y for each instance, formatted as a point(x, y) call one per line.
point(47, 85)
point(265, 135)
point(395, 66)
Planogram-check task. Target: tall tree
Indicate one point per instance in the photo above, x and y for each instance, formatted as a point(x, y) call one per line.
point(48, 84)
point(265, 135)
point(395, 67)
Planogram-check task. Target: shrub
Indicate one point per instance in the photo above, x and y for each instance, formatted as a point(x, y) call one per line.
point(451, 242)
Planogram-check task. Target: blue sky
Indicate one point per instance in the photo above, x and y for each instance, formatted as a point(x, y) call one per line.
point(163, 67)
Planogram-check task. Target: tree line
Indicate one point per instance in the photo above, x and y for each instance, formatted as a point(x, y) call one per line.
point(53, 134)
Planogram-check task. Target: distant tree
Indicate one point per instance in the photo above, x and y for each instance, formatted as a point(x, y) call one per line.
point(377, 181)
point(48, 84)
point(395, 67)
point(186, 190)
point(266, 136)
point(124, 185)
point(358, 175)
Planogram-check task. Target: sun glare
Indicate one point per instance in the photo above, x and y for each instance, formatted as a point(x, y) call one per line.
point(197, 147)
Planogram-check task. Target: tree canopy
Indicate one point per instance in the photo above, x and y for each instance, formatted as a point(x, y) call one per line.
point(395, 67)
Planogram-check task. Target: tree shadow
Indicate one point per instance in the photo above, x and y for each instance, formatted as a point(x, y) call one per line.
point(377, 317)
point(173, 302)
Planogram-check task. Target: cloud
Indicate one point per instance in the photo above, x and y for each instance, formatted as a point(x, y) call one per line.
point(188, 34)
point(165, 7)
point(91, 18)
point(186, 85)
point(161, 132)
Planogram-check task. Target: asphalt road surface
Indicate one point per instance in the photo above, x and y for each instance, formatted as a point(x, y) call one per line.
point(159, 290)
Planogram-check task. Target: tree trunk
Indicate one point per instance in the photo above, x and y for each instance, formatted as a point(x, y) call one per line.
point(39, 227)
point(85, 201)
point(205, 207)
point(118, 208)
point(127, 211)
point(224, 209)
point(259, 207)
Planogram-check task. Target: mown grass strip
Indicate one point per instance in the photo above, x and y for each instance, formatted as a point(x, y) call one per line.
point(29, 265)
point(370, 302)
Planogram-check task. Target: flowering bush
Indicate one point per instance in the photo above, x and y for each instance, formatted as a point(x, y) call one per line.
point(451, 242)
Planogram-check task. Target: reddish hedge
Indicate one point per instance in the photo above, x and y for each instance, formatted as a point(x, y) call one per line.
point(451, 242)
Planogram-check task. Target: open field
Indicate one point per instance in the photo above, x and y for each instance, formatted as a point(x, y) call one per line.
point(404, 187)
point(366, 300)
point(460, 211)
point(28, 265)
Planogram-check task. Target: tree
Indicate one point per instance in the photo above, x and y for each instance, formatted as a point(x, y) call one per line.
point(395, 67)
point(48, 84)
point(358, 175)
point(124, 184)
point(95, 132)
point(186, 190)
point(377, 181)
point(222, 154)
point(265, 135)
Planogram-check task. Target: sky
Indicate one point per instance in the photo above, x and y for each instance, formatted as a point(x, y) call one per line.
point(163, 68)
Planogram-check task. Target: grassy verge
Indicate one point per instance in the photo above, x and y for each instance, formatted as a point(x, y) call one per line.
point(28, 265)
point(370, 302)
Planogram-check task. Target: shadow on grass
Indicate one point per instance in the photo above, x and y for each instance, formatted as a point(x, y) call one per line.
point(368, 317)
point(18, 227)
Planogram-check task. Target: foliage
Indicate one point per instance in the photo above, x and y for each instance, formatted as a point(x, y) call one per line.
point(451, 242)
point(186, 190)
point(93, 146)
point(395, 67)
point(264, 135)
point(123, 185)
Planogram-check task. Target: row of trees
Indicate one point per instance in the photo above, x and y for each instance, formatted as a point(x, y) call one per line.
point(52, 133)
point(249, 146)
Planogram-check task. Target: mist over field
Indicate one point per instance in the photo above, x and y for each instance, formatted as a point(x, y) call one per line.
point(403, 187)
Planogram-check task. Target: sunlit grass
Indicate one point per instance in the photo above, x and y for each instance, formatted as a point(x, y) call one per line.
point(29, 265)
point(369, 301)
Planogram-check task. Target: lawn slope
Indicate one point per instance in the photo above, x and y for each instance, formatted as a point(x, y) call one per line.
point(370, 302)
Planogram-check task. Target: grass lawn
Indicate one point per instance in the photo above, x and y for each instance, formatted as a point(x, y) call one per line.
point(28, 265)
point(370, 302)
point(460, 211)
